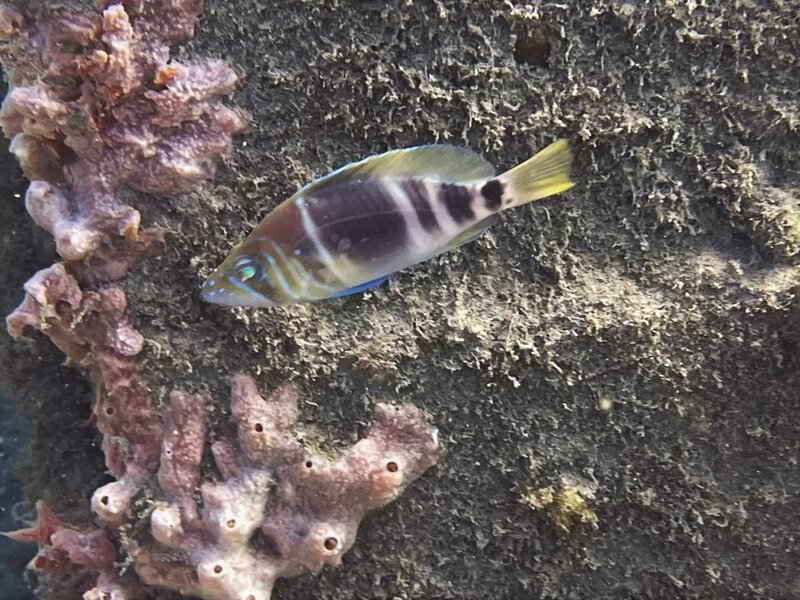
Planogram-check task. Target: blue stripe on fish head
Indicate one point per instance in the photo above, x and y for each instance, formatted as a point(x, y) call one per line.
point(234, 282)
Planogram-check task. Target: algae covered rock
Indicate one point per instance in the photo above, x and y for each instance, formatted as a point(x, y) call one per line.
point(638, 334)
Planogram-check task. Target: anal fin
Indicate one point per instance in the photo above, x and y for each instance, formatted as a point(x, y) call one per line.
point(360, 287)
point(469, 234)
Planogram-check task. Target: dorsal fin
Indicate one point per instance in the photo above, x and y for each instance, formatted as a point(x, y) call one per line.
point(451, 164)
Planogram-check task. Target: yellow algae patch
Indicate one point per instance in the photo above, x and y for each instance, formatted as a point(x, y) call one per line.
point(564, 505)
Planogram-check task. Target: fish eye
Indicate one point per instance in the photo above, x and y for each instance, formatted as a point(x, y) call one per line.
point(246, 270)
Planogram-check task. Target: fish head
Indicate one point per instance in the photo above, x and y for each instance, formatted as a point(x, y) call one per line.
point(238, 281)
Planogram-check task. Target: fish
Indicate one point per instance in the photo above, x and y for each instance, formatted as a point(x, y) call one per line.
point(350, 230)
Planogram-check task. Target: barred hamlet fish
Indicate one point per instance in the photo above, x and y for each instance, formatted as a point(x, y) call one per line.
point(350, 230)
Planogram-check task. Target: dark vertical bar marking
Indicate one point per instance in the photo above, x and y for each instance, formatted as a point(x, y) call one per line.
point(457, 200)
point(492, 191)
point(359, 219)
point(417, 193)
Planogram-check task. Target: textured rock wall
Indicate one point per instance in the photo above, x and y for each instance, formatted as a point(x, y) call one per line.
point(635, 340)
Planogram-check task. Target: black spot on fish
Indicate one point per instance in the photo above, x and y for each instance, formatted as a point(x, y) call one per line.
point(493, 192)
point(359, 219)
point(417, 193)
point(457, 200)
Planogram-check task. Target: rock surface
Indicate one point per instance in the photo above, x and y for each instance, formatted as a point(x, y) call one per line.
point(636, 337)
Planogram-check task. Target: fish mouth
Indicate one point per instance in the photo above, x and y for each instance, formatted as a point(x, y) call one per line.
point(219, 296)
point(207, 294)
point(214, 291)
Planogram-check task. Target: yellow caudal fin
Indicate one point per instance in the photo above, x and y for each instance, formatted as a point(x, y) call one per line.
point(542, 175)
